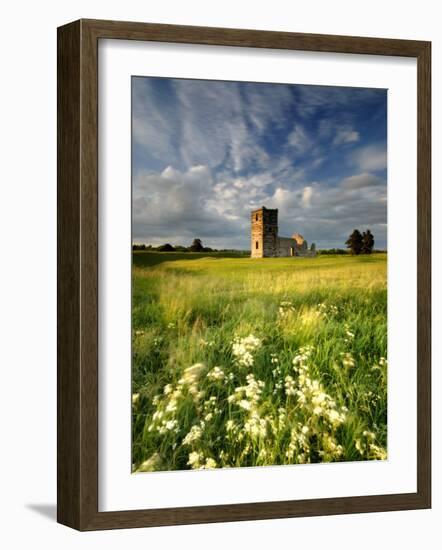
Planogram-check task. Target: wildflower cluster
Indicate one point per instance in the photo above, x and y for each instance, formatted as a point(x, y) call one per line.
point(273, 411)
point(197, 461)
point(349, 335)
point(193, 435)
point(248, 398)
point(164, 418)
point(315, 435)
point(248, 395)
point(367, 447)
point(243, 349)
point(277, 375)
point(216, 373)
point(151, 464)
point(328, 310)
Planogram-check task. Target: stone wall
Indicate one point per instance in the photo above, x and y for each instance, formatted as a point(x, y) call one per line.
point(286, 247)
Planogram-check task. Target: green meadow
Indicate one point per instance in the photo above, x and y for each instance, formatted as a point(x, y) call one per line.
point(248, 362)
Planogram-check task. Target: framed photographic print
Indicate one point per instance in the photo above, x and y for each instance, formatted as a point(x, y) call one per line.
point(243, 275)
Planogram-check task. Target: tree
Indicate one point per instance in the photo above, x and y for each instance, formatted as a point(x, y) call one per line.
point(354, 242)
point(197, 246)
point(166, 248)
point(367, 242)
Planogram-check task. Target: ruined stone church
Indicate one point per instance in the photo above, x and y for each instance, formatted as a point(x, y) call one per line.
point(265, 241)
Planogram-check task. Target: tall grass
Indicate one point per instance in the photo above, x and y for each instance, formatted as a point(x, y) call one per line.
point(240, 362)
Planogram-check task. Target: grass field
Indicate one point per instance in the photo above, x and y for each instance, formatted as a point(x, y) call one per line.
point(241, 362)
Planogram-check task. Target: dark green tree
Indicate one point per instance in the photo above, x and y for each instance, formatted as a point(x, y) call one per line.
point(367, 242)
point(354, 242)
point(166, 248)
point(196, 246)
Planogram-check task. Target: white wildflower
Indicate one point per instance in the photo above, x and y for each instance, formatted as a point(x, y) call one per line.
point(195, 459)
point(156, 400)
point(192, 374)
point(243, 348)
point(135, 398)
point(193, 435)
point(290, 387)
point(210, 463)
point(151, 464)
point(244, 404)
point(172, 405)
point(171, 424)
point(216, 373)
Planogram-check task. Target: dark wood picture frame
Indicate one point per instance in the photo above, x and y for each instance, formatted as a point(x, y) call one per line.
point(77, 225)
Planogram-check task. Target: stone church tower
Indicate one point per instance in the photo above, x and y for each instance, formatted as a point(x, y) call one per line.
point(264, 232)
point(265, 241)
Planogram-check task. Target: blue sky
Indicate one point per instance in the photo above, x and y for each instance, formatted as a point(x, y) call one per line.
point(205, 153)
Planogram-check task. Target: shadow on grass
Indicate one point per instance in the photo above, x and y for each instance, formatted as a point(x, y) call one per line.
point(150, 259)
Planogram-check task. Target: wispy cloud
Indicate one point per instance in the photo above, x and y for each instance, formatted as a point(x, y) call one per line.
point(299, 139)
point(206, 152)
point(372, 157)
point(345, 135)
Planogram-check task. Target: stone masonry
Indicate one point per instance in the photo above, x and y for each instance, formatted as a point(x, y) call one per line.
point(265, 241)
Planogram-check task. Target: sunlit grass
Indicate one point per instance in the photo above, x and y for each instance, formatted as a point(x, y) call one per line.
point(256, 407)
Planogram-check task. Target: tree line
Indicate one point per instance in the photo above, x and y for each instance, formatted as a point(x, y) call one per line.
point(357, 243)
point(196, 246)
point(360, 243)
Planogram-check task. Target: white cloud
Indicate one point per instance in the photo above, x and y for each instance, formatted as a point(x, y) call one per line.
point(283, 199)
point(307, 196)
point(327, 214)
point(206, 122)
point(345, 135)
point(216, 150)
point(177, 206)
point(360, 181)
point(371, 158)
point(337, 132)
